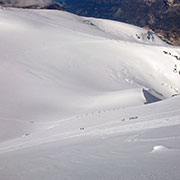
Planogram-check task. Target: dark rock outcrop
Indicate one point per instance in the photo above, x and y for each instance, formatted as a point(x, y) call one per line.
point(33, 4)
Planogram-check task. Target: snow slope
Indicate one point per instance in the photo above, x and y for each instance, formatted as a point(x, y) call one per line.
point(80, 99)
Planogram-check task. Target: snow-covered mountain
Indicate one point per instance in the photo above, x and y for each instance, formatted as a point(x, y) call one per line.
point(161, 16)
point(80, 98)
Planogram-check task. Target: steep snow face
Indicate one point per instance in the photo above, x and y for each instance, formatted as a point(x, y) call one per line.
point(67, 79)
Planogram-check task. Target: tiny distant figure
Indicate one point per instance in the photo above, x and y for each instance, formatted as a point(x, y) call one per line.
point(175, 68)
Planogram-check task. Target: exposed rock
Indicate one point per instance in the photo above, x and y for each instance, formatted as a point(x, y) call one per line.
point(161, 16)
point(34, 4)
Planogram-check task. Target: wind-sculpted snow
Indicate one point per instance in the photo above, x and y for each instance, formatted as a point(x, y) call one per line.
point(86, 98)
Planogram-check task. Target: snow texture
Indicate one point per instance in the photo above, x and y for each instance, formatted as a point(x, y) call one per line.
point(86, 98)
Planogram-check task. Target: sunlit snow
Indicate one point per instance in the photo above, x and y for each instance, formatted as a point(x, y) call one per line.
point(86, 98)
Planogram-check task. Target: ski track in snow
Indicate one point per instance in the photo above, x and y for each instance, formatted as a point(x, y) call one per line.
point(100, 130)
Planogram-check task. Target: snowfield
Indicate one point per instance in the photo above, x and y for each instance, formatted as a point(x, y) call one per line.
point(85, 98)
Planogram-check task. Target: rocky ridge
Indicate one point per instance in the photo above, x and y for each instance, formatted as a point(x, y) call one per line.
point(161, 16)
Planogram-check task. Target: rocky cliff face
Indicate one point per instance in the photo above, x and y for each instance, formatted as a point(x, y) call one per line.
point(162, 16)
point(35, 4)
